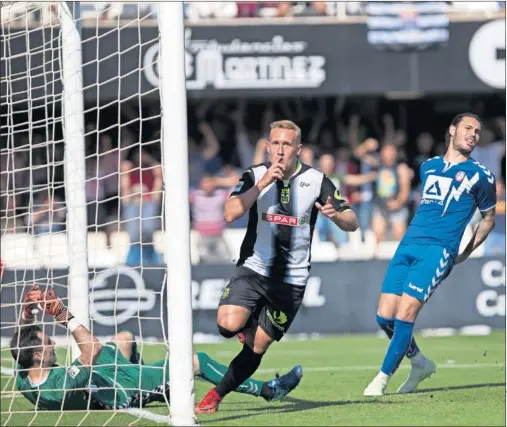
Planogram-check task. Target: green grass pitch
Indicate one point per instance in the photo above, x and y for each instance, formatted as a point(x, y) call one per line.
point(468, 388)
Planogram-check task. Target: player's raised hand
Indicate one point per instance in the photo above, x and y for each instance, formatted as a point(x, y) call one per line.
point(53, 305)
point(274, 173)
point(328, 208)
point(32, 298)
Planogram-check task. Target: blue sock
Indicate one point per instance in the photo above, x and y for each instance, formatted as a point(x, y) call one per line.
point(398, 347)
point(388, 326)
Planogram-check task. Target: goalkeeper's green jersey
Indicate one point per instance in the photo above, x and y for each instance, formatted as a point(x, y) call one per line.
point(113, 382)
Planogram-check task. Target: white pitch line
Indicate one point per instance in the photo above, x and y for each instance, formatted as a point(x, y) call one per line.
point(7, 371)
point(376, 367)
point(11, 396)
point(161, 419)
point(10, 372)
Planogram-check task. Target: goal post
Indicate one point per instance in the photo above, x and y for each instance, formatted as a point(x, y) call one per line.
point(172, 84)
point(74, 164)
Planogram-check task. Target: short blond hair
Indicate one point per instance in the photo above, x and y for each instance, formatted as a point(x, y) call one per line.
point(287, 124)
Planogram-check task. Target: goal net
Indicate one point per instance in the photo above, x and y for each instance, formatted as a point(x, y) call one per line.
point(81, 196)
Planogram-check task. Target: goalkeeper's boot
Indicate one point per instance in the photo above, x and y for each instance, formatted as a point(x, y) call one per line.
point(420, 371)
point(377, 386)
point(283, 385)
point(209, 404)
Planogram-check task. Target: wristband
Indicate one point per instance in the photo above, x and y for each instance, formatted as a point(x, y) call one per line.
point(26, 318)
point(73, 324)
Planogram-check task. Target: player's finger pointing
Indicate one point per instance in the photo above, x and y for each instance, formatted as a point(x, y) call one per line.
point(318, 206)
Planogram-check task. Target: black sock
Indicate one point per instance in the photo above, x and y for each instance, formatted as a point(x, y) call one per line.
point(240, 369)
point(267, 392)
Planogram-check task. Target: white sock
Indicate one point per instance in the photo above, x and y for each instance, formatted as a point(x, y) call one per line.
point(383, 377)
point(418, 359)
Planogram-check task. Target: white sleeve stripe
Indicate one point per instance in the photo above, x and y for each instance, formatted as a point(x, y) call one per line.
point(484, 210)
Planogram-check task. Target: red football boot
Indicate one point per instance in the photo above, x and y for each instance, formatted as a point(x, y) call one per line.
point(209, 404)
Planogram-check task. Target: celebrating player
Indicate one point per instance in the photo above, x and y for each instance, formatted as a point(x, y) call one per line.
point(454, 186)
point(119, 379)
point(283, 198)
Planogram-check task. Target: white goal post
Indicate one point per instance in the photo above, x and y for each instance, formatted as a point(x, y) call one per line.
point(74, 164)
point(62, 150)
point(177, 248)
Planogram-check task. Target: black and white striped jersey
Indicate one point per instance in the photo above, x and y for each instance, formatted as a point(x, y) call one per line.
point(278, 240)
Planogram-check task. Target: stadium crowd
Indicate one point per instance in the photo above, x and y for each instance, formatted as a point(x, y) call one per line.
point(196, 11)
point(371, 157)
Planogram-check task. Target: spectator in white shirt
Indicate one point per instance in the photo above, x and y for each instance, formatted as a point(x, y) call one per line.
point(205, 10)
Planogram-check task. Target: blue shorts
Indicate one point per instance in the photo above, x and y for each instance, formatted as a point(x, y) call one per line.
point(417, 270)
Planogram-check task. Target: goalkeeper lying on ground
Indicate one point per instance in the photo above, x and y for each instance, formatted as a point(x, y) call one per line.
point(105, 376)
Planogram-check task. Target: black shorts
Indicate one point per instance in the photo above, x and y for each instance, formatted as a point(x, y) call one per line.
point(273, 305)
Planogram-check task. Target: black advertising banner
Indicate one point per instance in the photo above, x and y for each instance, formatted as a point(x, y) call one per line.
point(262, 61)
point(126, 298)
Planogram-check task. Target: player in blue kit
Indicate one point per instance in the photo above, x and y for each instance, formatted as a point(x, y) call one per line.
point(454, 186)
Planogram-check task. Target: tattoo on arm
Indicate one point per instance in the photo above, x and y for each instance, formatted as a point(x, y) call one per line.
point(486, 224)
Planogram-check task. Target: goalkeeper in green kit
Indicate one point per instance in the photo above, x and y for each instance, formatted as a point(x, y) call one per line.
point(105, 376)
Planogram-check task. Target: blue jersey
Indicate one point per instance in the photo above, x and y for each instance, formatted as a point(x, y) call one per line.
point(451, 194)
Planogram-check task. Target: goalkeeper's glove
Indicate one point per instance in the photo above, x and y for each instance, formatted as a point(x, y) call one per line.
point(54, 306)
point(32, 297)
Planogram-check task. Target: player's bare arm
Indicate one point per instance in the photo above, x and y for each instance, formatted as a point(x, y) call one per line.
point(158, 182)
point(227, 181)
point(125, 167)
point(363, 152)
point(89, 346)
point(486, 224)
point(405, 174)
point(212, 146)
point(237, 206)
point(359, 179)
point(346, 220)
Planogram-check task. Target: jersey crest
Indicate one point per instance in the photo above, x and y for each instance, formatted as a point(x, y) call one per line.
point(73, 371)
point(285, 195)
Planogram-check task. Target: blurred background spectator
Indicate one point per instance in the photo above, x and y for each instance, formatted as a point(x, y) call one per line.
point(208, 220)
point(140, 194)
point(391, 194)
point(95, 194)
point(47, 214)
